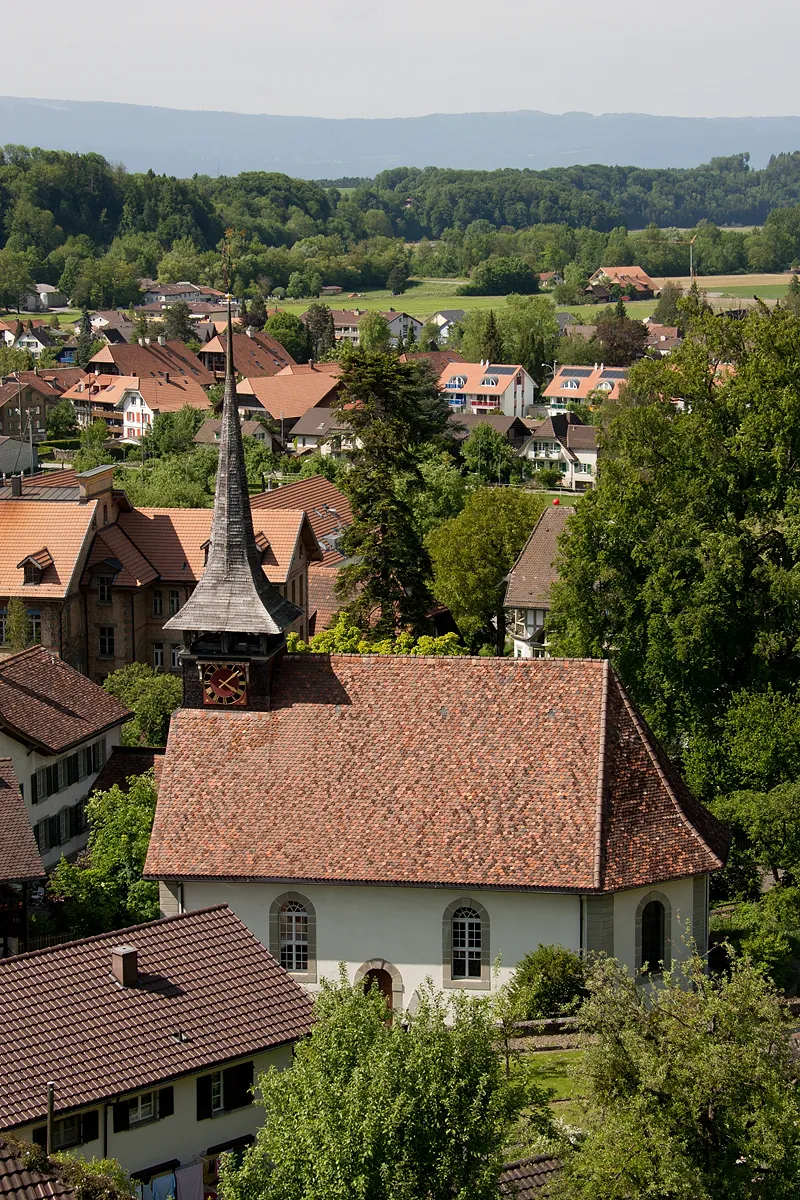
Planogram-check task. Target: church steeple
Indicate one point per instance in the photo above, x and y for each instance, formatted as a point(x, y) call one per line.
point(234, 609)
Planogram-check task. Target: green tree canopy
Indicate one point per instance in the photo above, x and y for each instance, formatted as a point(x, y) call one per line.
point(151, 696)
point(373, 333)
point(92, 452)
point(691, 1089)
point(175, 481)
point(472, 553)
point(291, 332)
point(104, 888)
point(178, 322)
point(319, 322)
point(498, 275)
point(488, 456)
point(667, 311)
point(173, 432)
point(372, 1107)
point(61, 422)
point(346, 638)
point(18, 625)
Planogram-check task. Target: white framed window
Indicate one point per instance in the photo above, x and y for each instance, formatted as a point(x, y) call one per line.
point(158, 654)
point(66, 1132)
point(142, 1109)
point(569, 385)
point(467, 939)
point(217, 1097)
point(457, 382)
point(175, 657)
point(174, 601)
point(294, 936)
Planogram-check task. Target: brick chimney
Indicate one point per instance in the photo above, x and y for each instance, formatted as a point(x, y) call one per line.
point(125, 965)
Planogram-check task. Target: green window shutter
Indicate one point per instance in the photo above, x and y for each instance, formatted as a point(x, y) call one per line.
point(203, 1097)
point(90, 1126)
point(166, 1102)
point(600, 924)
point(236, 1085)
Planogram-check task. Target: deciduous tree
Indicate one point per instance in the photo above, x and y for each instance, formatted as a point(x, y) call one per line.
point(373, 333)
point(292, 333)
point(151, 696)
point(61, 422)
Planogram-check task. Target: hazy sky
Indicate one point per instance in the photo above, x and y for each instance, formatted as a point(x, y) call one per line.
point(345, 58)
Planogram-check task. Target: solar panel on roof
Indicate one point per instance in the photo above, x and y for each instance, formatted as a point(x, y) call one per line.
point(613, 373)
point(502, 370)
point(577, 372)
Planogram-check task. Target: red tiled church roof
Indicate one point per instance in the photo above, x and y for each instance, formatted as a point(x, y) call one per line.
point(418, 771)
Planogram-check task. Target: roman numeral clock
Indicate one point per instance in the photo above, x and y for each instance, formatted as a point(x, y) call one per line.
point(224, 683)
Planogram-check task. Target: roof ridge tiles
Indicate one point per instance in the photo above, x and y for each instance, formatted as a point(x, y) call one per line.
point(110, 935)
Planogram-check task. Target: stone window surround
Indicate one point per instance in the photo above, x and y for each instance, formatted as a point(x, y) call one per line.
point(309, 975)
point(665, 902)
point(383, 964)
point(478, 985)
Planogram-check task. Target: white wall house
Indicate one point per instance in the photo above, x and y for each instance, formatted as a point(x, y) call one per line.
point(58, 728)
point(479, 388)
point(564, 443)
point(178, 1020)
point(527, 600)
point(441, 840)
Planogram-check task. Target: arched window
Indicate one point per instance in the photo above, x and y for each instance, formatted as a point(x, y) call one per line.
point(653, 934)
point(457, 382)
point(489, 381)
point(465, 945)
point(293, 935)
point(569, 385)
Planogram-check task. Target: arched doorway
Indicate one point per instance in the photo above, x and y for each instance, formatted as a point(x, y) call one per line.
point(383, 980)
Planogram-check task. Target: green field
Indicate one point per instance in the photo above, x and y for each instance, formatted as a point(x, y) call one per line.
point(772, 291)
point(65, 319)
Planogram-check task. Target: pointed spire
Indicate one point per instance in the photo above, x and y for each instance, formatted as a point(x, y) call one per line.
point(234, 595)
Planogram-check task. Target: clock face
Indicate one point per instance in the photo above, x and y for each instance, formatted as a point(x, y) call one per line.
point(224, 683)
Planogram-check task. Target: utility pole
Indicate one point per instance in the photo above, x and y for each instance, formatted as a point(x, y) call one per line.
point(51, 1091)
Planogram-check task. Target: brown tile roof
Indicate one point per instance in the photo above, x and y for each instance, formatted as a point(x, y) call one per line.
point(513, 428)
point(163, 396)
point(61, 377)
point(209, 431)
point(534, 572)
point(474, 375)
point(154, 361)
point(172, 539)
point(49, 706)
point(18, 1181)
point(256, 356)
point(323, 603)
point(19, 856)
point(327, 507)
point(575, 383)
point(406, 792)
point(316, 368)
point(28, 525)
point(438, 359)
point(319, 422)
point(528, 1176)
point(40, 382)
point(291, 395)
point(129, 566)
point(63, 1016)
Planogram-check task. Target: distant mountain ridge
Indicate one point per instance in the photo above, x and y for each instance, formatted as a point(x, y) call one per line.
point(183, 142)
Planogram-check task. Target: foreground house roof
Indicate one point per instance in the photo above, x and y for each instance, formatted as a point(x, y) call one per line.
point(528, 1176)
point(19, 855)
point(154, 361)
point(534, 572)
point(207, 992)
point(327, 508)
point(49, 706)
point(28, 526)
point(18, 1181)
point(418, 771)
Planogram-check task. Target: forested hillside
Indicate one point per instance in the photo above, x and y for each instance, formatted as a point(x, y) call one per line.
point(76, 221)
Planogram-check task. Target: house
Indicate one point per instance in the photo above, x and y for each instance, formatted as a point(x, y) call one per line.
point(17, 457)
point(43, 550)
point(140, 405)
point(257, 355)
point(330, 289)
point(210, 431)
point(633, 282)
point(44, 298)
point(156, 358)
point(527, 598)
point(323, 430)
point(346, 324)
point(584, 332)
point(166, 294)
point(480, 388)
point(57, 728)
point(662, 339)
point(563, 442)
point(25, 401)
point(287, 397)
point(445, 319)
point(112, 324)
point(20, 863)
point(513, 429)
point(582, 385)
point(152, 1038)
point(426, 853)
point(35, 339)
point(94, 397)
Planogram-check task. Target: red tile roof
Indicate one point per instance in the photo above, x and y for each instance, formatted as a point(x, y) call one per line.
point(290, 395)
point(172, 396)
point(46, 704)
point(171, 539)
point(534, 572)
point(259, 355)
point(112, 546)
point(575, 383)
point(26, 526)
point(327, 507)
point(63, 1016)
point(124, 762)
point(323, 603)
point(154, 361)
point(19, 856)
point(18, 1181)
point(421, 773)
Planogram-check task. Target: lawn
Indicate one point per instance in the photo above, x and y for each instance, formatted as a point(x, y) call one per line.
point(65, 319)
point(551, 1069)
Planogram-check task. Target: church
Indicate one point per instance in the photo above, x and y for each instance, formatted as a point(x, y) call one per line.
point(412, 817)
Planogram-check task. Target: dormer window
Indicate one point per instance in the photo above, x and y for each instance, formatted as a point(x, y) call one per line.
point(604, 387)
point(570, 385)
point(33, 574)
point(34, 566)
point(489, 381)
point(456, 382)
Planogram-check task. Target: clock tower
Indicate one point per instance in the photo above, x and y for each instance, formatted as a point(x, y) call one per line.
point(234, 622)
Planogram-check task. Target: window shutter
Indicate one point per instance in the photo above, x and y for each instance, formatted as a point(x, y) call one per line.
point(166, 1102)
point(54, 832)
point(39, 1136)
point(90, 1126)
point(34, 788)
point(600, 924)
point(236, 1084)
point(122, 1116)
point(203, 1097)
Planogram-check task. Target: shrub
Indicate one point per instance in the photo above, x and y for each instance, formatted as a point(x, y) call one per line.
point(548, 982)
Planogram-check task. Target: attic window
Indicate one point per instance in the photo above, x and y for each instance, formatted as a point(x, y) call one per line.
point(570, 385)
point(35, 564)
point(456, 381)
point(489, 381)
point(262, 542)
point(33, 574)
